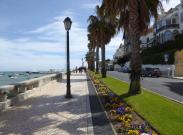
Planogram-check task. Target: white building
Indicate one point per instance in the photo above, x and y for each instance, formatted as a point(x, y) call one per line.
point(169, 24)
point(119, 52)
point(148, 39)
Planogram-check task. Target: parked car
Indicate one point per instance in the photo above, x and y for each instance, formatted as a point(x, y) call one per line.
point(110, 67)
point(120, 70)
point(151, 72)
point(127, 70)
point(124, 70)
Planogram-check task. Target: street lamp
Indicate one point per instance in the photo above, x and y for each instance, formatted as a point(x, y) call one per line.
point(82, 62)
point(67, 24)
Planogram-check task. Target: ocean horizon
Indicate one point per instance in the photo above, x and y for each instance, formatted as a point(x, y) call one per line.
point(13, 77)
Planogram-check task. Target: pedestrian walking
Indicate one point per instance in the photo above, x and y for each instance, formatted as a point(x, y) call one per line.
point(76, 69)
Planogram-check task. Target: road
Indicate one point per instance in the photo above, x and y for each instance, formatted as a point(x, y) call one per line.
point(171, 88)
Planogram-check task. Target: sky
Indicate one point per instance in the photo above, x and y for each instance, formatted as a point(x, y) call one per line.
point(32, 34)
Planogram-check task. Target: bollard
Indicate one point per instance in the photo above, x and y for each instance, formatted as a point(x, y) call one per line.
point(22, 88)
point(3, 97)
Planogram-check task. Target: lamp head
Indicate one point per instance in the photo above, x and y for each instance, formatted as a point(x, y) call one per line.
point(67, 23)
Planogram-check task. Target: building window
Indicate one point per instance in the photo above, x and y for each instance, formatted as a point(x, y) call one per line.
point(140, 41)
point(173, 21)
point(168, 36)
point(168, 21)
point(181, 17)
point(160, 24)
point(163, 22)
point(162, 38)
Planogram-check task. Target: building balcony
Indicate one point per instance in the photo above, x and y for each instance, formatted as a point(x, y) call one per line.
point(167, 27)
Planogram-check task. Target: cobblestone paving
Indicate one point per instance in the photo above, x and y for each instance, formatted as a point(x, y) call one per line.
point(47, 112)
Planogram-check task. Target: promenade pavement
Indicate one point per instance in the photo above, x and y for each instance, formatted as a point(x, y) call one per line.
point(47, 112)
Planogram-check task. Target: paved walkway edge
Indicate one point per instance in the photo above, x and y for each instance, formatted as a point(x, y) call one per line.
point(88, 108)
point(101, 105)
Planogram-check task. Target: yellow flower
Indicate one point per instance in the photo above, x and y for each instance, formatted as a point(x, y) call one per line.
point(128, 109)
point(114, 106)
point(112, 112)
point(120, 104)
point(133, 132)
point(128, 117)
point(120, 118)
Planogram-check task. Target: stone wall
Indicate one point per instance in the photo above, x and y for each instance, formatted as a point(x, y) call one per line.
point(179, 63)
point(10, 94)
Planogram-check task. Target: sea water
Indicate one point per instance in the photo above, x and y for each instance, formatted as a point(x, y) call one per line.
point(8, 78)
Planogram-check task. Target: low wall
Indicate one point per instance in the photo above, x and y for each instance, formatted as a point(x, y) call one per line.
point(179, 70)
point(10, 94)
point(179, 63)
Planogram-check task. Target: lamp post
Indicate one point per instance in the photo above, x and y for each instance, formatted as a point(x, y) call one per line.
point(67, 24)
point(82, 62)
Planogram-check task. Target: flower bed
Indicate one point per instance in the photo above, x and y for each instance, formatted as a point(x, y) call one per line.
point(124, 119)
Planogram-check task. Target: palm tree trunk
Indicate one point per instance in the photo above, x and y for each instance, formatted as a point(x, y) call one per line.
point(103, 70)
point(134, 33)
point(97, 59)
point(93, 60)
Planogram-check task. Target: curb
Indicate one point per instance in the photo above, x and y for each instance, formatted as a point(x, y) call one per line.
point(174, 100)
point(138, 114)
point(114, 131)
point(177, 78)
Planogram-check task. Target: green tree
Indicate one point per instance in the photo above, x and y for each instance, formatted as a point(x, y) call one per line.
point(93, 29)
point(134, 18)
point(107, 31)
point(104, 30)
point(90, 56)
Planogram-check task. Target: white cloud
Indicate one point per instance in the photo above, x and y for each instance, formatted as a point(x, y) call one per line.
point(170, 4)
point(89, 5)
point(113, 45)
point(45, 47)
point(47, 50)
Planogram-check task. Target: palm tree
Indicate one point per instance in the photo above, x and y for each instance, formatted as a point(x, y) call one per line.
point(90, 57)
point(93, 29)
point(107, 31)
point(91, 47)
point(104, 31)
point(134, 17)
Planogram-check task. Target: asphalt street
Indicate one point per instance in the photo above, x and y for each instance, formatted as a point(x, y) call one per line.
point(171, 88)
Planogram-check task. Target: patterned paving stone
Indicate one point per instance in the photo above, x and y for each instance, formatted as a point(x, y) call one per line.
point(47, 112)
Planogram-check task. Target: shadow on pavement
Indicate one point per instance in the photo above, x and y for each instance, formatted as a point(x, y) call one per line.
point(75, 80)
point(31, 116)
point(176, 87)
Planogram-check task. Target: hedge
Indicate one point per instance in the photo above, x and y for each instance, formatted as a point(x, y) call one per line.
point(158, 58)
point(155, 54)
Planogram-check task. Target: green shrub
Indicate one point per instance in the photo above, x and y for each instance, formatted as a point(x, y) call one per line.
point(155, 54)
point(158, 58)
